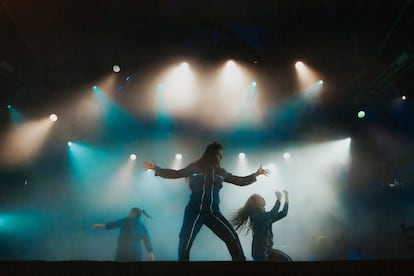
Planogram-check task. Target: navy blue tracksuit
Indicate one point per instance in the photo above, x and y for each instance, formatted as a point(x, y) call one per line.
point(262, 231)
point(132, 232)
point(203, 207)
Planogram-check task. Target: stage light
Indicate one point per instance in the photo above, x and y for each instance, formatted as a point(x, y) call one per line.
point(133, 157)
point(53, 117)
point(403, 98)
point(313, 91)
point(116, 68)
point(90, 162)
point(178, 156)
point(175, 92)
point(230, 69)
point(286, 155)
point(251, 93)
point(24, 142)
point(16, 116)
point(361, 114)
point(184, 65)
point(339, 150)
point(306, 76)
point(128, 78)
point(69, 143)
point(3, 221)
point(230, 62)
point(299, 65)
point(242, 155)
point(95, 87)
point(232, 75)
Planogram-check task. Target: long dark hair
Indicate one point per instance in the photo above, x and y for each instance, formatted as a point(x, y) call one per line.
point(209, 159)
point(138, 212)
point(241, 218)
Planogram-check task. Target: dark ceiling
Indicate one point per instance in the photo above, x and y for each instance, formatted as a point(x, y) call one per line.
point(364, 48)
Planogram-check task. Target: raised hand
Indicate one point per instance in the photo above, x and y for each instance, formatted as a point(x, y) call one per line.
point(260, 171)
point(278, 195)
point(149, 165)
point(286, 195)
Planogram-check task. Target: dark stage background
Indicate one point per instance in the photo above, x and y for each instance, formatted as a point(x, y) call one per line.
point(349, 176)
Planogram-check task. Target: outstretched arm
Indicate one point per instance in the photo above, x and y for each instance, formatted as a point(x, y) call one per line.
point(246, 180)
point(98, 225)
point(110, 225)
point(165, 173)
point(114, 224)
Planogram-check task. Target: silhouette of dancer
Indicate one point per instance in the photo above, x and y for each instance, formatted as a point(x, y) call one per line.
point(132, 232)
point(253, 217)
point(206, 178)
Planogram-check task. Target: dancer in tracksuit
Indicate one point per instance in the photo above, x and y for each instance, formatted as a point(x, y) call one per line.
point(252, 216)
point(206, 178)
point(132, 232)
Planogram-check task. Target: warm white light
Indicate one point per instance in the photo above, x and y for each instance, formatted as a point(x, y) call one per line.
point(306, 76)
point(178, 90)
point(116, 68)
point(178, 156)
point(133, 157)
point(232, 75)
point(339, 150)
point(403, 98)
point(299, 65)
point(24, 142)
point(53, 117)
point(185, 65)
point(231, 64)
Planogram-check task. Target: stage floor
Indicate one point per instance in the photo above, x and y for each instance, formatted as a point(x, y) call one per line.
point(371, 267)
